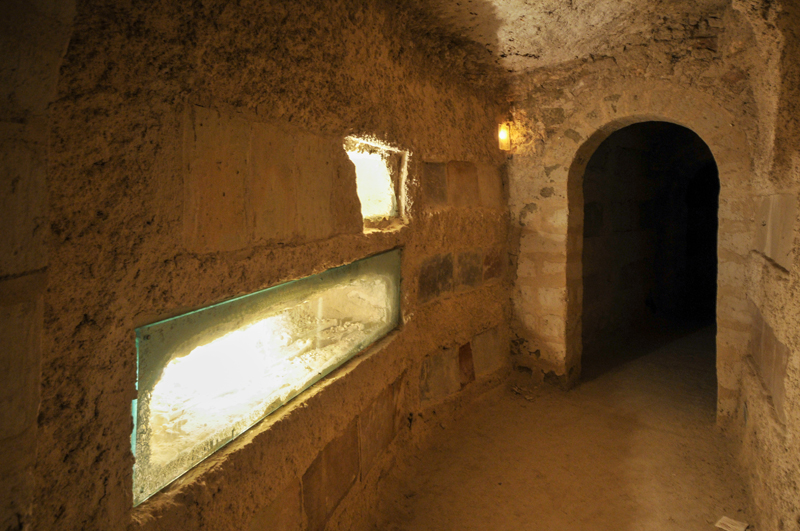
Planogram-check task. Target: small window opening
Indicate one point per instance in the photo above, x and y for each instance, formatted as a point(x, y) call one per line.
point(380, 170)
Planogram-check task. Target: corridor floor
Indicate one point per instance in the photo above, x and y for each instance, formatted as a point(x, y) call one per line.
point(633, 448)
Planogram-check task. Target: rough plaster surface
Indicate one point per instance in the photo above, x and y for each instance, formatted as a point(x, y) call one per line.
point(33, 39)
point(524, 35)
point(109, 151)
point(775, 222)
point(157, 171)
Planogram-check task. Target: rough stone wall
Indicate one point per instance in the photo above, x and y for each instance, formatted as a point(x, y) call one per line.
point(33, 39)
point(196, 155)
point(110, 225)
point(769, 414)
point(683, 72)
point(731, 77)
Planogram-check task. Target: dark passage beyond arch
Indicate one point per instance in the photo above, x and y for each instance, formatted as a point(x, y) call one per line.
point(650, 241)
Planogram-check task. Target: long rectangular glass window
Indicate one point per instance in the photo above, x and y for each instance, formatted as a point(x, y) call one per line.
point(207, 376)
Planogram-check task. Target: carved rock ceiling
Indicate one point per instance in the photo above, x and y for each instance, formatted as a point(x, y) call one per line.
point(529, 34)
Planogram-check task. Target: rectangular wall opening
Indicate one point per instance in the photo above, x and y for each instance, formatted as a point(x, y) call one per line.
point(207, 376)
point(380, 172)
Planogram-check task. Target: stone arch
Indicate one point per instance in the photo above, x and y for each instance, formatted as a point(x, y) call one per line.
point(598, 115)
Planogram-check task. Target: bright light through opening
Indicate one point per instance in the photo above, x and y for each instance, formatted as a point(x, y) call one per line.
point(375, 185)
point(207, 376)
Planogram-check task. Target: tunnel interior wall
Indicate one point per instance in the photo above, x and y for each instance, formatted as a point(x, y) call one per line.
point(98, 242)
point(192, 154)
point(563, 114)
point(737, 91)
point(768, 420)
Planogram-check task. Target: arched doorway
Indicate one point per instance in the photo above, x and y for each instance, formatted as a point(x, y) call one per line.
point(649, 254)
point(548, 290)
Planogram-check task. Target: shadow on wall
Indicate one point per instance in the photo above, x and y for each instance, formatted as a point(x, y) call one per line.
point(650, 194)
point(475, 25)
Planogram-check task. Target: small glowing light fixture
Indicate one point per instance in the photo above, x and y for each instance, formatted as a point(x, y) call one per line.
point(504, 136)
point(380, 174)
point(205, 377)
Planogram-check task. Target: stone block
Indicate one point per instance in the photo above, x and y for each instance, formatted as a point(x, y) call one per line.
point(734, 309)
point(493, 263)
point(215, 152)
point(316, 174)
point(435, 277)
point(378, 425)
point(440, 376)
point(256, 182)
point(330, 476)
point(489, 353)
point(285, 512)
point(469, 272)
point(533, 242)
point(551, 298)
point(556, 219)
point(554, 268)
point(528, 270)
point(490, 186)
point(465, 365)
point(462, 184)
point(21, 317)
point(34, 37)
point(545, 216)
point(732, 274)
point(729, 361)
point(272, 197)
point(775, 228)
point(771, 358)
point(737, 209)
point(17, 459)
point(553, 116)
point(23, 201)
point(434, 184)
point(552, 326)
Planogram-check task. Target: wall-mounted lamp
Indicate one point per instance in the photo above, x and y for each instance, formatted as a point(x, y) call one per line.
point(504, 136)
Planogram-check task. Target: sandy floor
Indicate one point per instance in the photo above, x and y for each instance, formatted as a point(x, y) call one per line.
point(634, 447)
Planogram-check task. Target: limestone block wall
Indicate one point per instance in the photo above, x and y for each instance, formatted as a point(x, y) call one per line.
point(195, 154)
point(768, 418)
point(550, 258)
point(563, 116)
point(737, 90)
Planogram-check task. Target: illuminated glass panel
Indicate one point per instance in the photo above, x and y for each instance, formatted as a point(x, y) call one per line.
point(207, 376)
